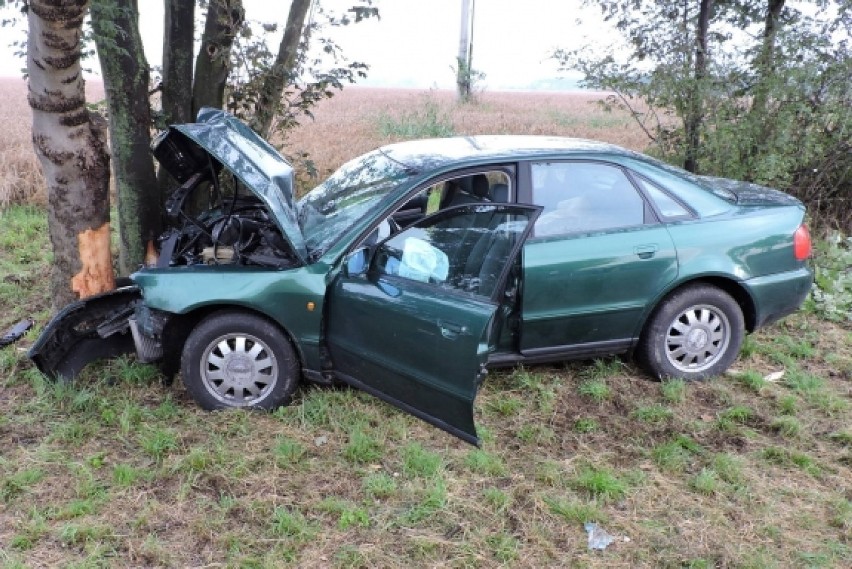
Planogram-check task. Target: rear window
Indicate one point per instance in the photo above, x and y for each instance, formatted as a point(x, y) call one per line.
point(680, 184)
point(668, 207)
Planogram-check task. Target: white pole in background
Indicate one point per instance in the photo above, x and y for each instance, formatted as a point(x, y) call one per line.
point(465, 57)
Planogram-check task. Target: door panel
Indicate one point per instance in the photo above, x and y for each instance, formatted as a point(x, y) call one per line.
point(415, 328)
point(390, 336)
point(597, 258)
point(594, 287)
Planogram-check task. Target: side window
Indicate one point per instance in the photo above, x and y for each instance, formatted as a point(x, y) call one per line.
point(482, 187)
point(493, 186)
point(584, 196)
point(666, 205)
point(464, 249)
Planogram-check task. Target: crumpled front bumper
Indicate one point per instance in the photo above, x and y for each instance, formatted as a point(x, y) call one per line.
point(87, 330)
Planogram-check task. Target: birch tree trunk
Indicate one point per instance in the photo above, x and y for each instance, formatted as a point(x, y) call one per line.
point(70, 143)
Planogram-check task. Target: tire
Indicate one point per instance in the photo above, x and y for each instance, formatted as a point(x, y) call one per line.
point(238, 360)
point(695, 333)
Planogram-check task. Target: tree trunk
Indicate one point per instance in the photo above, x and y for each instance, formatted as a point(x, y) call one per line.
point(70, 143)
point(212, 66)
point(178, 29)
point(281, 73)
point(765, 63)
point(125, 73)
point(695, 116)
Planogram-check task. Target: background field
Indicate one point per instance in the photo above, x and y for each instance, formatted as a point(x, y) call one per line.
point(118, 470)
point(354, 122)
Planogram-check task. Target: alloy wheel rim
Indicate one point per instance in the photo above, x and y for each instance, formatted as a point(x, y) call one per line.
point(239, 369)
point(697, 338)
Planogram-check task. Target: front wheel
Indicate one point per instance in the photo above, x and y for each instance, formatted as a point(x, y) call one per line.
point(235, 359)
point(695, 333)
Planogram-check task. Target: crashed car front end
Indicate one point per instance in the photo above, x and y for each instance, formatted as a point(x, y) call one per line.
point(84, 331)
point(231, 228)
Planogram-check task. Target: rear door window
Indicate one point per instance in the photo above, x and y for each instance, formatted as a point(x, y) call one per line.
point(584, 196)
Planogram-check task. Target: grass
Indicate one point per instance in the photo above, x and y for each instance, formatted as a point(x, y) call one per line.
point(705, 482)
point(787, 426)
point(575, 512)
point(673, 390)
point(417, 461)
point(752, 380)
point(600, 483)
point(595, 389)
point(362, 448)
point(426, 121)
point(120, 470)
point(655, 413)
point(676, 454)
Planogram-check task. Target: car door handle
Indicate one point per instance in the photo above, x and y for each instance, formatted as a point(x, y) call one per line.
point(645, 251)
point(451, 331)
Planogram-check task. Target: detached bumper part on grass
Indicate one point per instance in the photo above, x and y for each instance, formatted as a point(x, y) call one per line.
point(85, 331)
point(16, 332)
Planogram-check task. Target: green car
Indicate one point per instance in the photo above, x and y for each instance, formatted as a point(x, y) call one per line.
point(417, 266)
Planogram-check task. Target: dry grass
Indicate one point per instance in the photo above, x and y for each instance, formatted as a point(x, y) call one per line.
point(350, 124)
point(121, 471)
point(20, 177)
point(21, 180)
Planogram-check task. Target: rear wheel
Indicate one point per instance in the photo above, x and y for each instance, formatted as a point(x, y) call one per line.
point(234, 359)
point(695, 333)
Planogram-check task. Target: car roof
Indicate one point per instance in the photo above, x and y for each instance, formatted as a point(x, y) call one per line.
point(436, 152)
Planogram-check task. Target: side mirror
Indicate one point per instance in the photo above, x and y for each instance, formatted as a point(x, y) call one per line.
point(357, 262)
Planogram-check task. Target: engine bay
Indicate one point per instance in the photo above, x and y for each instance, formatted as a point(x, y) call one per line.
point(213, 218)
point(240, 232)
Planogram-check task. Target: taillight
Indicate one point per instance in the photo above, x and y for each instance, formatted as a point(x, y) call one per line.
point(802, 243)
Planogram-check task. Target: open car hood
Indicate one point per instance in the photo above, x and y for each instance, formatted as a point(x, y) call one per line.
point(251, 159)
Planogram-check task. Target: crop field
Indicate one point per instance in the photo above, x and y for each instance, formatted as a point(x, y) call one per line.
point(749, 470)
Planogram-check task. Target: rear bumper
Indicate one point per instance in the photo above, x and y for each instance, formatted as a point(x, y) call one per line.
point(780, 294)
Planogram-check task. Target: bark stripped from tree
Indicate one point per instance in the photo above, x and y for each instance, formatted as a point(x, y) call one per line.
point(70, 143)
point(213, 63)
point(125, 73)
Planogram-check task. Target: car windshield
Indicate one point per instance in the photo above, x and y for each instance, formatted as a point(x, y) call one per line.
point(327, 211)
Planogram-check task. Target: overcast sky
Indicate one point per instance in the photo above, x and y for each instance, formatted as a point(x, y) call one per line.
point(415, 42)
